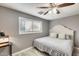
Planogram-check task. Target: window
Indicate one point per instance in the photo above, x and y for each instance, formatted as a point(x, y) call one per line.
point(29, 26)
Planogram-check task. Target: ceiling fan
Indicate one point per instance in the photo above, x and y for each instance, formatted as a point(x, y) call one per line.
point(54, 7)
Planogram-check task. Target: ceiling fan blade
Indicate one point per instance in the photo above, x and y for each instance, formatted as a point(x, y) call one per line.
point(46, 12)
point(65, 4)
point(58, 12)
point(43, 7)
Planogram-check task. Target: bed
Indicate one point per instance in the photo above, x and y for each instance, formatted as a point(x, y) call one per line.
point(56, 46)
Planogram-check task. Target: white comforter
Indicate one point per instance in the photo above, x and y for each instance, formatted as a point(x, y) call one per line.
point(54, 46)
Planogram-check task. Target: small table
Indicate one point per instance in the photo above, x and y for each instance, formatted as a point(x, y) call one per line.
point(5, 44)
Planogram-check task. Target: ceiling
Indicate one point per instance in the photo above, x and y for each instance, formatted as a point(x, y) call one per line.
point(31, 8)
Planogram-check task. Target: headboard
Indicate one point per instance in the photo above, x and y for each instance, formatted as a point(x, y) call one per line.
point(63, 30)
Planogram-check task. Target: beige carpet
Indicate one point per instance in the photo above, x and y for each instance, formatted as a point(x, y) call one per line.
point(34, 52)
point(30, 52)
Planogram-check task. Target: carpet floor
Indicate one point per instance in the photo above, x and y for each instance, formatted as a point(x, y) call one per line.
point(31, 52)
point(36, 52)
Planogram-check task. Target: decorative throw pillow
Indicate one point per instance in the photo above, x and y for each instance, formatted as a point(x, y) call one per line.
point(67, 37)
point(61, 36)
point(54, 35)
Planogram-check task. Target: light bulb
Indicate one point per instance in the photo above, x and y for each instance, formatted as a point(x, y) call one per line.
point(50, 11)
point(55, 10)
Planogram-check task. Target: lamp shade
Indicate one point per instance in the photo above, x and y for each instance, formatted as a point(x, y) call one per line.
point(2, 34)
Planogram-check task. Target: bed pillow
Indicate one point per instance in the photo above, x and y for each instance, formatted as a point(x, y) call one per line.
point(54, 35)
point(67, 37)
point(61, 36)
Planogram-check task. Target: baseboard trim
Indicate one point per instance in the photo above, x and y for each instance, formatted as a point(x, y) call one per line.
point(21, 51)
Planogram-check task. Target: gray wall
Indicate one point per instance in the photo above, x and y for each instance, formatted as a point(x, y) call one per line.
point(9, 25)
point(71, 22)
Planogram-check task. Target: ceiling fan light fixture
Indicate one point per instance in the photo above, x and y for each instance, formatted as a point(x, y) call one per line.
point(53, 8)
point(56, 11)
point(50, 12)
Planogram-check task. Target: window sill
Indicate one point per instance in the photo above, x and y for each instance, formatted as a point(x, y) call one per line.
point(30, 33)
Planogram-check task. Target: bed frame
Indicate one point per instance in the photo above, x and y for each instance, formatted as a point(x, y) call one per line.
point(53, 50)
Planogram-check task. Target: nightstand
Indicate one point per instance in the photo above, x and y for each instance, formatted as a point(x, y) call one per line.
point(5, 43)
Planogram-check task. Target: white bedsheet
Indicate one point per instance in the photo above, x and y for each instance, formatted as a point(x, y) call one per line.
point(54, 46)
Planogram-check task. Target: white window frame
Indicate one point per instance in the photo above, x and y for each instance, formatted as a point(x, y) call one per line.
point(28, 32)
